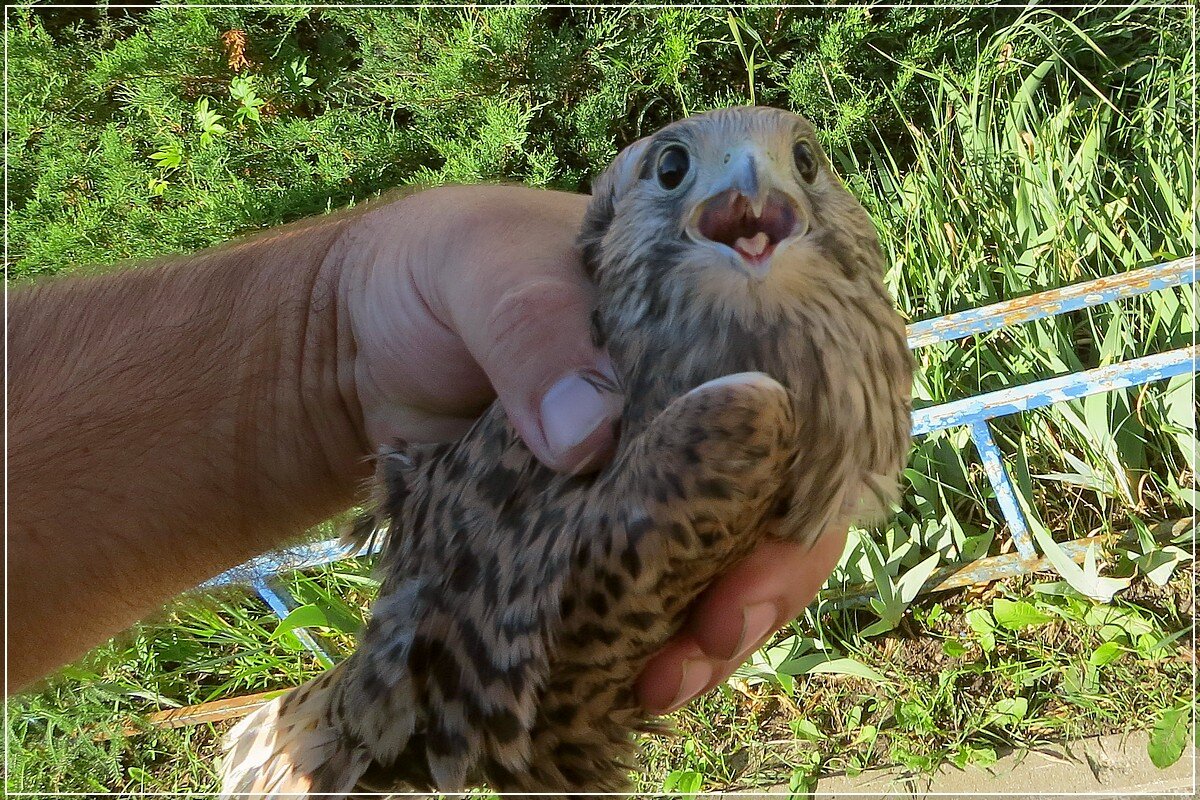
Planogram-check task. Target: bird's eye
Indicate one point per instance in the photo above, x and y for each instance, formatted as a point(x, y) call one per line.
point(673, 166)
point(806, 161)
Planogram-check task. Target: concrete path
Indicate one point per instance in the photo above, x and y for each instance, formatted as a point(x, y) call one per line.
point(1107, 767)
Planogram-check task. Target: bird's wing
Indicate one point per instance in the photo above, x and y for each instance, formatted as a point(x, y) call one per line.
point(685, 498)
point(290, 748)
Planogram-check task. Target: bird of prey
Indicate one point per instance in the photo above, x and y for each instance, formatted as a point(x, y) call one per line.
point(767, 377)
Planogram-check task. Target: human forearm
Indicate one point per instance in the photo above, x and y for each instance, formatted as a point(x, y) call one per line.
point(164, 423)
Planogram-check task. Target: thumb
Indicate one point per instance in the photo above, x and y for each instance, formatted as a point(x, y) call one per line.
point(558, 388)
point(516, 294)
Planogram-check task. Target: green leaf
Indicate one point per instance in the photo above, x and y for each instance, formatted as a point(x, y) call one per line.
point(980, 621)
point(954, 648)
point(805, 728)
point(1159, 565)
point(969, 754)
point(1008, 711)
point(877, 627)
point(1163, 642)
point(802, 665)
point(1018, 614)
point(1055, 589)
point(1106, 654)
point(683, 781)
point(141, 776)
point(169, 156)
point(1179, 401)
point(1081, 680)
point(1086, 580)
point(1169, 736)
point(848, 666)
point(880, 576)
point(1111, 622)
point(983, 756)
point(801, 784)
point(306, 616)
point(866, 733)
point(910, 585)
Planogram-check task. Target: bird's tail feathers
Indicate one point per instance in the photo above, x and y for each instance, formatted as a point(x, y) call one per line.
point(290, 747)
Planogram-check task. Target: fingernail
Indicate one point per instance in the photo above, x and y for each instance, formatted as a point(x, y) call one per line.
point(757, 621)
point(576, 407)
point(696, 675)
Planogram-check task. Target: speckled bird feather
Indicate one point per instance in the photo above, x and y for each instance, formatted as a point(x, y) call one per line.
point(767, 381)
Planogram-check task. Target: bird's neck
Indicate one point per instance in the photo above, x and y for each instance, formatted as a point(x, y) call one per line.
point(660, 358)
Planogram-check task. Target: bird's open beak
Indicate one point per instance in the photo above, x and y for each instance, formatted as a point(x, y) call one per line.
point(747, 214)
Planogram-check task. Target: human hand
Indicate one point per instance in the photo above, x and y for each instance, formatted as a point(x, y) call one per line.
point(461, 294)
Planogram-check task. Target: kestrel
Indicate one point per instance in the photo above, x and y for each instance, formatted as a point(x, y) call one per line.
point(768, 381)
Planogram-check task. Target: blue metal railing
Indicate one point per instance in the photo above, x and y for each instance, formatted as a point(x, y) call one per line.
point(972, 412)
point(1052, 303)
point(975, 412)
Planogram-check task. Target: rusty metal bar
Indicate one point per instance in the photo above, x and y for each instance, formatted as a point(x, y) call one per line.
point(976, 411)
point(993, 464)
point(293, 559)
point(1048, 304)
point(213, 711)
point(1014, 400)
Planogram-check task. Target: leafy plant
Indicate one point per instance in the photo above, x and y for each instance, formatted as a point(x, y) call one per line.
point(1169, 735)
point(250, 104)
point(1086, 580)
point(1157, 562)
point(894, 596)
point(683, 783)
point(296, 79)
point(209, 122)
point(1018, 614)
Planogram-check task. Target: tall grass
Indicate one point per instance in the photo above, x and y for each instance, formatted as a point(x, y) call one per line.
point(1031, 178)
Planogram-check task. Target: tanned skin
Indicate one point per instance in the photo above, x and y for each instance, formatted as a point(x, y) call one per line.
point(169, 421)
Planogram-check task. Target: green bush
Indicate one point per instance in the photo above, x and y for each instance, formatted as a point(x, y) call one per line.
point(111, 156)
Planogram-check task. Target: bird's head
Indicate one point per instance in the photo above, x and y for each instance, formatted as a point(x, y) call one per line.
point(737, 207)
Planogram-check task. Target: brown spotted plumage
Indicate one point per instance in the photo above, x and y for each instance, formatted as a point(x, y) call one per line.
point(767, 376)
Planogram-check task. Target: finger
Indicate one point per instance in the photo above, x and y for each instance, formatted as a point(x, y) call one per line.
point(524, 312)
point(771, 586)
point(559, 389)
point(737, 615)
point(674, 676)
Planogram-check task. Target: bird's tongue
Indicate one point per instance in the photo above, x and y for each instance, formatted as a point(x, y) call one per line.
point(754, 246)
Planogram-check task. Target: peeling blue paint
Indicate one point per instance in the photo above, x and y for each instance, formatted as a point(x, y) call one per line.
point(1049, 304)
point(1038, 394)
point(292, 559)
point(993, 464)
